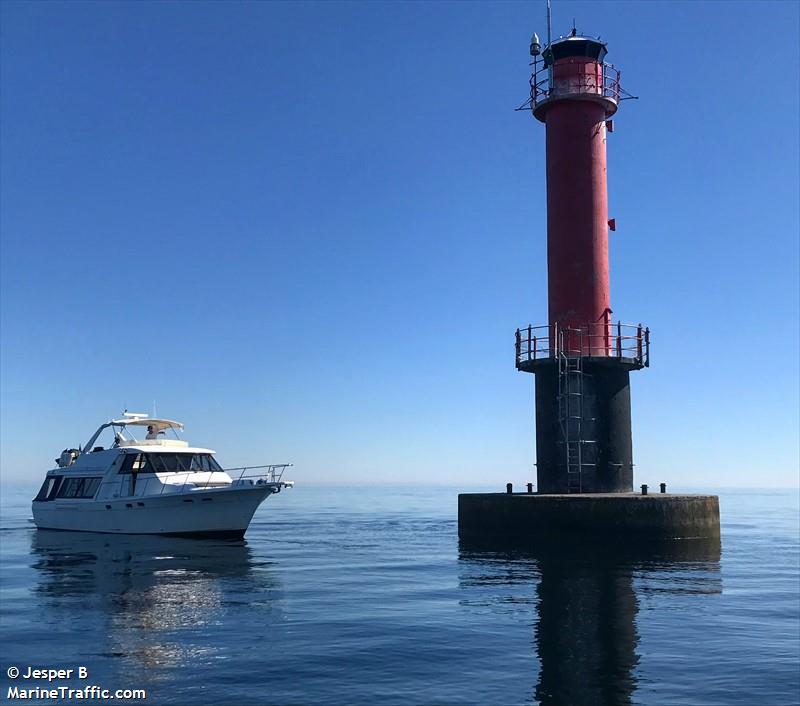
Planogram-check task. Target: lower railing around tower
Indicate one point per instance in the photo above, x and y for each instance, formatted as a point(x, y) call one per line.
point(630, 343)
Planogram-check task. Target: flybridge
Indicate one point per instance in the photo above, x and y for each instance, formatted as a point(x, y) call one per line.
point(131, 419)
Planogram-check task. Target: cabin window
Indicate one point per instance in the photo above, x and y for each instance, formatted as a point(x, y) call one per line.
point(90, 487)
point(44, 491)
point(182, 463)
point(205, 462)
point(48, 489)
point(68, 487)
point(54, 490)
point(135, 463)
point(169, 463)
point(79, 488)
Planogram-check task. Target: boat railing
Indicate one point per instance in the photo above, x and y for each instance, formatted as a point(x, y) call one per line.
point(272, 473)
point(188, 481)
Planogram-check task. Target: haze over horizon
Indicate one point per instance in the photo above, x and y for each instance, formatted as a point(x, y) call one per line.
point(309, 230)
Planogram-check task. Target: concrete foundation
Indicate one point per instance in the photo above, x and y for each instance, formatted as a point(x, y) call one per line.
point(628, 515)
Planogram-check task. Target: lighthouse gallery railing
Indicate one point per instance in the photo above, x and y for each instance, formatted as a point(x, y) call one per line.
point(606, 340)
point(599, 79)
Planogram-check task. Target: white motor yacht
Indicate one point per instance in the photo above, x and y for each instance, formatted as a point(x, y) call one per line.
point(151, 485)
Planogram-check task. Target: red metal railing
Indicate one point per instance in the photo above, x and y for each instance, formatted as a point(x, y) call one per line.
point(607, 340)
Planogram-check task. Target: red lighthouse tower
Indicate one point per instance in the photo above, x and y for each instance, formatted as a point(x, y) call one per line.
point(581, 358)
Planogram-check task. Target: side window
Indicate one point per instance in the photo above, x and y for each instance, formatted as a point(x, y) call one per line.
point(143, 464)
point(166, 463)
point(205, 463)
point(54, 490)
point(171, 463)
point(90, 487)
point(136, 463)
point(78, 488)
point(158, 463)
point(46, 489)
point(68, 487)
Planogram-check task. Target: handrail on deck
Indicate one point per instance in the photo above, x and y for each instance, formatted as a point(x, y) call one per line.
point(272, 476)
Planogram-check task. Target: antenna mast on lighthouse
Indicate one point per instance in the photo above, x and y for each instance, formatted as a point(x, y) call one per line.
point(549, 24)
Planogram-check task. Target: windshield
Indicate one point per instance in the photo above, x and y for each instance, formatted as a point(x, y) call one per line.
point(169, 463)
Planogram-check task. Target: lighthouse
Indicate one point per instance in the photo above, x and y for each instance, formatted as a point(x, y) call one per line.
point(583, 356)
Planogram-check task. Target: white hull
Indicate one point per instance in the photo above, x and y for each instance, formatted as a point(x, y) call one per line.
point(208, 512)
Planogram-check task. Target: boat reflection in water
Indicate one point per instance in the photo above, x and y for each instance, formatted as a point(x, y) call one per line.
point(156, 596)
point(585, 626)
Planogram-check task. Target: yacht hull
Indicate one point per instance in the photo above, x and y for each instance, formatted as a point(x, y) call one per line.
point(211, 512)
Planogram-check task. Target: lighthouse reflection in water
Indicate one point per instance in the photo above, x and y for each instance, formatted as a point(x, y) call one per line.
point(586, 604)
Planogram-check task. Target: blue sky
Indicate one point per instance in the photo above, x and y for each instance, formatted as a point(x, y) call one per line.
point(309, 230)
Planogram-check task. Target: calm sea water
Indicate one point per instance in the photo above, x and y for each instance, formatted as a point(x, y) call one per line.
point(364, 596)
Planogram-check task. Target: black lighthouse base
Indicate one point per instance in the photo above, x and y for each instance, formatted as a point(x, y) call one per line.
point(583, 424)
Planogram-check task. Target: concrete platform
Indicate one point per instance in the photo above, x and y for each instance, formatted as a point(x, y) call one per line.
point(630, 515)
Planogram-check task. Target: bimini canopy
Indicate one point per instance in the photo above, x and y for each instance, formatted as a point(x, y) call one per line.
point(159, 424)
point(138, 420)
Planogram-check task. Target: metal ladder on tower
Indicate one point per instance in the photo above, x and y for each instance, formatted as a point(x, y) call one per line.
point(570, 405)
